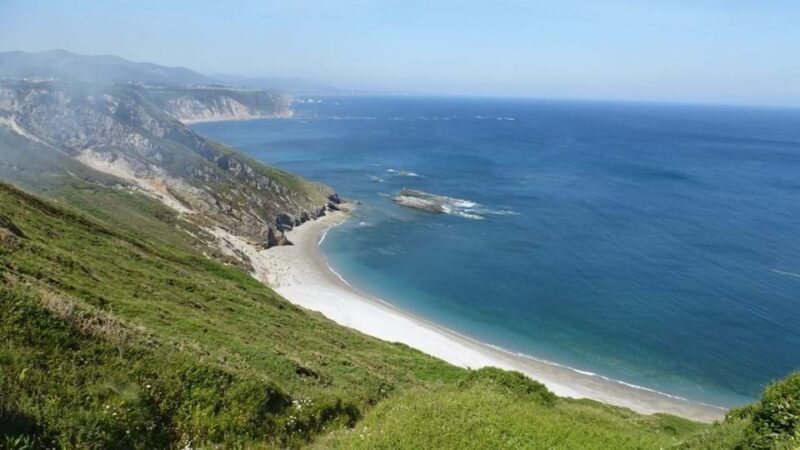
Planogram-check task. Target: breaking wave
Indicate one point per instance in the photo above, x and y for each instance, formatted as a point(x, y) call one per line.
point(402, 173)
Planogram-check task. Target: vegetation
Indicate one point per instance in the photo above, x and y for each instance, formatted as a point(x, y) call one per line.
point(478, 416)
point(771, 423)
point(101, 307)
point(113, 336)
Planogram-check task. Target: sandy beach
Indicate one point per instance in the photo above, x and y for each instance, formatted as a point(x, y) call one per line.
point(301, 274)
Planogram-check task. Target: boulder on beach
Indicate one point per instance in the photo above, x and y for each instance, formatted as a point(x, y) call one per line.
point(276, 238)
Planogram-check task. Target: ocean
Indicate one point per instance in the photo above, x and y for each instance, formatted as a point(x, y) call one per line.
point(654, 244)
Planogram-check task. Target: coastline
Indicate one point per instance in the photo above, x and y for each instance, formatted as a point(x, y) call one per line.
point(189, 122)
point(301, 274)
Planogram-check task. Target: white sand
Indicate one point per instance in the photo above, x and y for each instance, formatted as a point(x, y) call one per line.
point(300, 274)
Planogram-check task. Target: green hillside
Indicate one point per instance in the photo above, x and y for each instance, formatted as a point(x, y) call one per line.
point(113, 337)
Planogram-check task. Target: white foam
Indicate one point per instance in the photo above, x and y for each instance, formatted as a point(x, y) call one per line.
point(402, 173)
point(783, 272)
point(322, 238)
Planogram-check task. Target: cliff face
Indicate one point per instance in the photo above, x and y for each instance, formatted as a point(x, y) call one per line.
point(132, 134)
point(214, 103)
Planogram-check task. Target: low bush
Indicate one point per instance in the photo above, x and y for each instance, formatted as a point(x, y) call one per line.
point(513, 383)
point(775, 420)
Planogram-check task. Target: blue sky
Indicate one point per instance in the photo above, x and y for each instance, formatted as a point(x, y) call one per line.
point(719, 51)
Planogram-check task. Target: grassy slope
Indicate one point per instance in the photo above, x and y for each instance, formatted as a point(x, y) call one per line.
point(46, 170)
point(187, 304)
point(110, 335)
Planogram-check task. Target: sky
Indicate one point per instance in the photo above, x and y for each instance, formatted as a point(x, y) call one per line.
point(708, 51)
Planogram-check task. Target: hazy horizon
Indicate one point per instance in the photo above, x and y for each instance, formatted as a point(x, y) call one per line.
point(733, 52)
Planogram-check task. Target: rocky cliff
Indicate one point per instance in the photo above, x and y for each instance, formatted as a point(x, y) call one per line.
point(131, 133)
point(220, 103)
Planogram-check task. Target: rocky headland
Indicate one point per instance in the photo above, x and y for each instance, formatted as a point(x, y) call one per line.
point(131, 136)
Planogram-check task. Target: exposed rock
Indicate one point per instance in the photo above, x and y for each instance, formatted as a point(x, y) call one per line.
point(284, 222)
point(304, 371)
point(214, 103)
point(7, 224)
point(276, 238)
point(426, 201)
point(419, 200)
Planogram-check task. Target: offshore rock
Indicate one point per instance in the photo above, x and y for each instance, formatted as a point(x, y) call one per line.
point(420, 200)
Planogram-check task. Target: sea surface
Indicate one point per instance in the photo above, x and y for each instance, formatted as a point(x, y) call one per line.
point(654, 244)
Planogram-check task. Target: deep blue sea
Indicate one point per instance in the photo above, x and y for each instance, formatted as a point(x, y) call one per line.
point(654, 244)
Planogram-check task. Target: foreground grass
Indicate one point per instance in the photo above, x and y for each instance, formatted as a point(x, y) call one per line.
point(112, 337)
point(488, 414)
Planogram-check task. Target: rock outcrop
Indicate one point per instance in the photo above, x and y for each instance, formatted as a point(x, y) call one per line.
point(421, 200)
point(441, 204)
point(206, 103)
point(275, 238)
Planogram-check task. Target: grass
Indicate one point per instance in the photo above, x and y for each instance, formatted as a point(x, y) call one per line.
point(497, 409)
point(185, 305)
point(482, 418)
point(116, 332)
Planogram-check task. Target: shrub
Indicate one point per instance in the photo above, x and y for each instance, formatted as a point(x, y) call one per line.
point(511, 382)
point(776, 418)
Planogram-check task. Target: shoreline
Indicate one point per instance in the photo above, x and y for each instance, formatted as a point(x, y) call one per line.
point(301, 274)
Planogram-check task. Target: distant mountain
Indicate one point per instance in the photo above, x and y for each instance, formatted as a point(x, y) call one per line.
point(68, 66)
point(65, 65)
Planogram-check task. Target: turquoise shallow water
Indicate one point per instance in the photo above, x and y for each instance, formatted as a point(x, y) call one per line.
point(654, 244)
